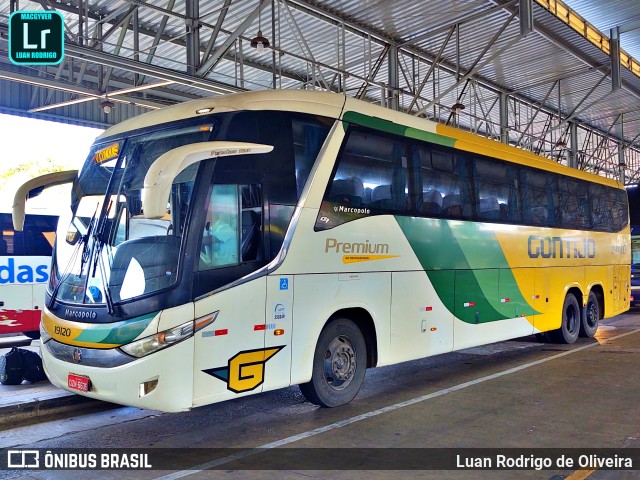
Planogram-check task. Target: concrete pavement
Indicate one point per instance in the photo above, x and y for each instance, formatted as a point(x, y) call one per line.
point(20, 403)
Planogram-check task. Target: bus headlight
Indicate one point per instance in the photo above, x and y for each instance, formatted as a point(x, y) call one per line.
point(147, 345)
point(160, 340)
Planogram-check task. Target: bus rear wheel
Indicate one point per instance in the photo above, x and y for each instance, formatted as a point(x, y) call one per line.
point(571, 321)
point(339, 365)
point(591, 317)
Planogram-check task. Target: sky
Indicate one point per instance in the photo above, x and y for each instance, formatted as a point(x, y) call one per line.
point(24, 140)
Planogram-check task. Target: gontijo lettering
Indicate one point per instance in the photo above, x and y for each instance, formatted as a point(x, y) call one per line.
point(558, 247)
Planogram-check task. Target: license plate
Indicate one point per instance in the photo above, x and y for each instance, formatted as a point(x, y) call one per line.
point(78, 382)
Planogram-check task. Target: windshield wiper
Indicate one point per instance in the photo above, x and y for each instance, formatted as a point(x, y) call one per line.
point(82, 244)
point(85, 240)
point(98, 244)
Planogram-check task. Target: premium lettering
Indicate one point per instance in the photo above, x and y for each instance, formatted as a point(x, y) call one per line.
point(334, 246)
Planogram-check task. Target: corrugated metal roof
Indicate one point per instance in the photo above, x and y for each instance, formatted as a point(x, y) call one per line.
point(346, 38)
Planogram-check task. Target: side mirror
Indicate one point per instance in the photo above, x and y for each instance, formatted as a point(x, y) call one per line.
point(33, 187)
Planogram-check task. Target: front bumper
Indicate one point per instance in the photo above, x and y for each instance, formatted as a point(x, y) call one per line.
point(172, 367)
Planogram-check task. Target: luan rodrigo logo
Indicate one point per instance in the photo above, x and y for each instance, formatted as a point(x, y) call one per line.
point(36, 37)
point(245, 371)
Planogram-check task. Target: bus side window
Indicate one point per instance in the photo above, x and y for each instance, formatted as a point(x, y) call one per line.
point(372, 172)
point(445, 183)
point(219, 246)
point(251, 247)
point(233, 227)
point(535, 201)
point(497, 197)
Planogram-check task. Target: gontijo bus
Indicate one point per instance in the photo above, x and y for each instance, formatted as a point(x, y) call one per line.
point(239, 244)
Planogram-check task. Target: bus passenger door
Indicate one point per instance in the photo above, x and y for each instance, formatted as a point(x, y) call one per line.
point(230, 353)
point(278, 331)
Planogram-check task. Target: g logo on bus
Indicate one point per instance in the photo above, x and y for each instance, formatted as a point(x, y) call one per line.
point(245, 371)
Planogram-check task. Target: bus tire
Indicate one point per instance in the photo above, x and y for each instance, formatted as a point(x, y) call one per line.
point(591, 317)
point(339, 364)
point(571, 321)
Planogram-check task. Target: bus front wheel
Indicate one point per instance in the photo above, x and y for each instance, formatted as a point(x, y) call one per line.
point(571, 321)
point(339, 365)
point(591, 317)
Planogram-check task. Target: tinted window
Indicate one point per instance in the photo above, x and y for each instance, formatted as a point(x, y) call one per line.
point(497, 191)
point(308, 136)
point(35, 240)
point(371, 173)
point(573, 198)
point(374, 176)
point(445, 187)
point(538, 198)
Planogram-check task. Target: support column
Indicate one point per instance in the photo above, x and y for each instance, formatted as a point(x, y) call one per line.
point(192, 10)
point(273, 45)
point(622, 164)
point(504, 118)
point(394, 79)
point(526, 17)
point(136, 45)
point(573, 147)
point(616, 82)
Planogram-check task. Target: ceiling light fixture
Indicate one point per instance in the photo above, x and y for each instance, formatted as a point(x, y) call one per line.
point(259, 42)
point(457, 107)
point(107, 105)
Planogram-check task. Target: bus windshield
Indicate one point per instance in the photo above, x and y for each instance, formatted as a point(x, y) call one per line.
point(110, 251)
point(91, 266)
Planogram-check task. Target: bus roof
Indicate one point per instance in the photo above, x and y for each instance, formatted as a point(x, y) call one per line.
point(319, 103)
point(336, 106)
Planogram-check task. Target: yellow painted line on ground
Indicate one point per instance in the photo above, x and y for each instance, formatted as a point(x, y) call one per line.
point(581, 474)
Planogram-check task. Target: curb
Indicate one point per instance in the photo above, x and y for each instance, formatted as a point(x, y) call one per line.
point(12, 415)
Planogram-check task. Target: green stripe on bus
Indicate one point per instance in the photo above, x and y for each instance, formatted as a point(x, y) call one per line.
point(391, 127)
point(467, 268)
point(119, 333)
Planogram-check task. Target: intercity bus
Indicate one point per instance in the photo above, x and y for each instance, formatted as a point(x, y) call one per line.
point(635, 265)
point(25, 258)
point(234, 245)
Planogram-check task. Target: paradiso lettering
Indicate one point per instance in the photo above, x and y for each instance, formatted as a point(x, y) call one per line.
point(558, 247)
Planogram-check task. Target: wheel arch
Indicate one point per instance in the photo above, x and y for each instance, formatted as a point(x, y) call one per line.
point(364, 321)
point(598, 291)
point(577, 292)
